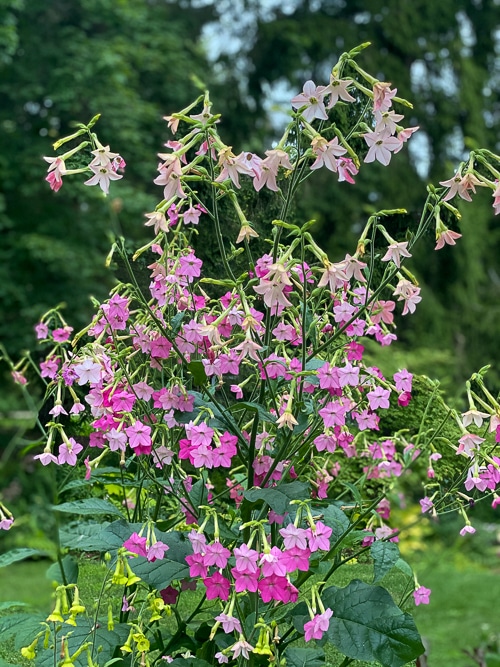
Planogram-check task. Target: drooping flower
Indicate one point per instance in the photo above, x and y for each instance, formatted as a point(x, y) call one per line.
point(317, 626)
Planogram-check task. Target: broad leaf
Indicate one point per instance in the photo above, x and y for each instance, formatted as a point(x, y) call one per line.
point(385, 556)
point(84, 536)
point(335, 518)
point(22, 627)
point(197, 370)
point(16, 555)
point(367, 625)
point(305, 657)
point(88, 506)
point(279, 498)
point(69, 568)
point(404, 567)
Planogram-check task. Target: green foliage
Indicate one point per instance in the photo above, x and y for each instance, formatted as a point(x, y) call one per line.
point(367, 625)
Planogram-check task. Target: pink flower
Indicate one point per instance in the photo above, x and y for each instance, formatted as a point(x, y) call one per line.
point(229, 623)
point(337, 89)
point(156, 551)
point(409, 293)
point(5, 523)
point(42, 330)
point(269, 169)
point(426, 504)
point(326, 153)
point(421, 595)
point(382, 96)
point(216, 554)
point(88, 371)
point(446, 236)
point(136, 545)
point(380, 147)
point(246, 559)
point(316, 627)
point(139, 437)
point(170, 173)
point(45, 458)
point(311, 97)
point(55, 172)
point(395, 251)
point(378, 398)
point(62, 334)
point(68, 452)
point(245, 581)
point(294, 537)
point(217, 586)
point(467, 529)
point(403, 380)
point(103, 174)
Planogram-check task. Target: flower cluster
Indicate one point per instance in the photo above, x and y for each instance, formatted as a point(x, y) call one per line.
point(241, 409)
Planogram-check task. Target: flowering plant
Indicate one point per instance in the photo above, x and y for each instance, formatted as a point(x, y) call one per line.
point(228, 447)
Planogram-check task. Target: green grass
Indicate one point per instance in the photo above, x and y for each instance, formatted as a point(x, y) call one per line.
point(26, 582)
point(464, 599)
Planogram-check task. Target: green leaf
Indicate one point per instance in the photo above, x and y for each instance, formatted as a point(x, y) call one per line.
point(304, 657)
point(385, 556)
point(16, 555)
point(279, 498)
point(197, 370)
point(12, 604)
point(88, 506)
point(69, 567)
point(368, 625)
point(404, 567)
point(84, 536)
point(337, 520)
point(21, 627)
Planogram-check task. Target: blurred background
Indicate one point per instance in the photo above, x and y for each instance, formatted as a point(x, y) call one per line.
point(134, 61)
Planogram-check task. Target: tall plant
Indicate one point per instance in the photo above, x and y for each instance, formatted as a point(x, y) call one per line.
point(222, 439)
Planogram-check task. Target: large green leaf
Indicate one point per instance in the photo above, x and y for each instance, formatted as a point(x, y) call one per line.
point(21, 627)
point(305, 657)
point(84, 536)
point(279, 498)
point(88, 506)
point(385, 556)
point(337, 520)
point(19, 554)
point(368, 625)
point(68, 566)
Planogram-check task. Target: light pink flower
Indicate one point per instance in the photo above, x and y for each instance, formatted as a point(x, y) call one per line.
point(395, 251)
point(316, 627)
point(311, 97)
point(381, 147)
